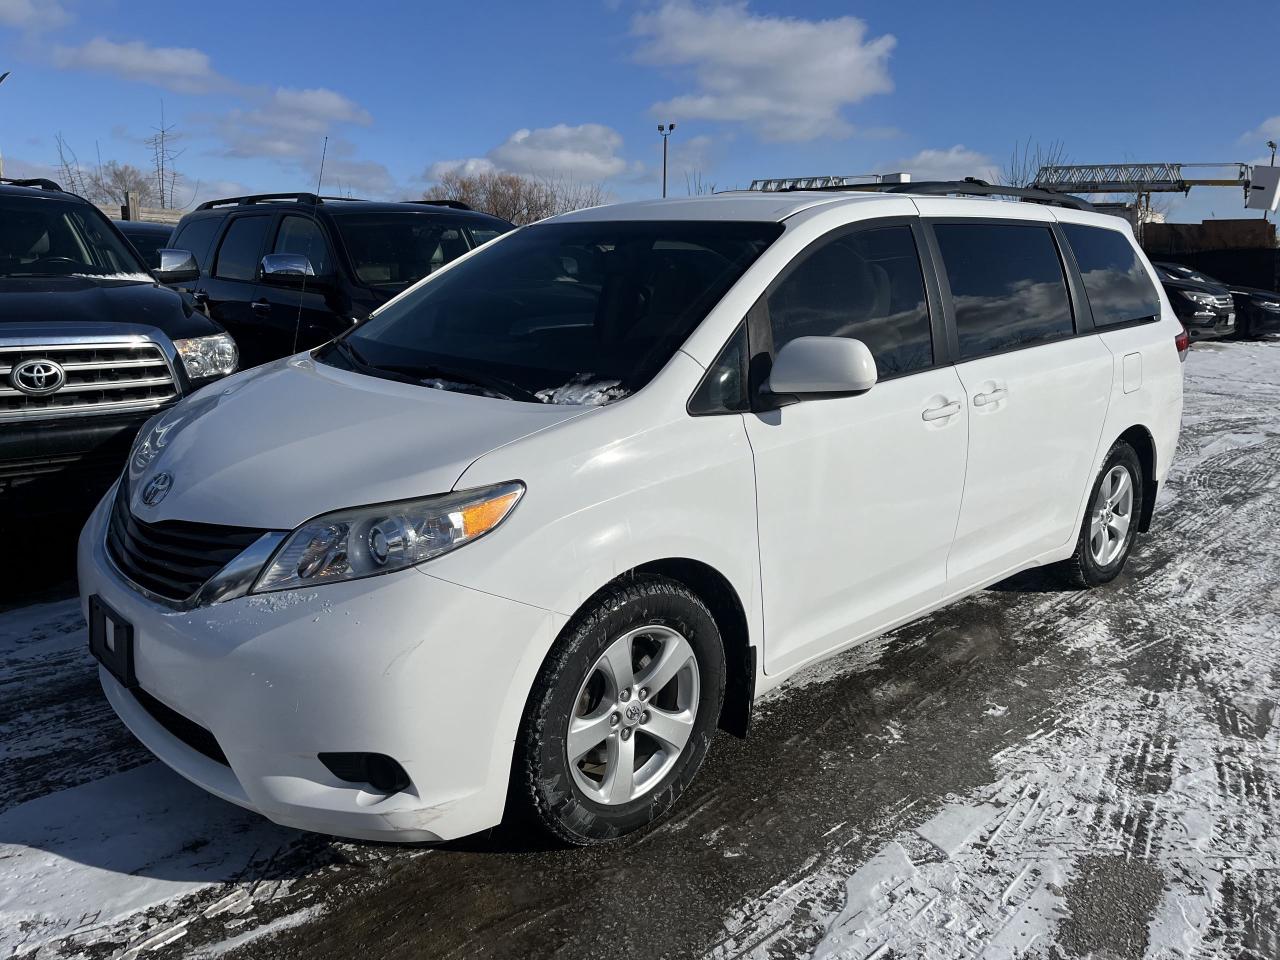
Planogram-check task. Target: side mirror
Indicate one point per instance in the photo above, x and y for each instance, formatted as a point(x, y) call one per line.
point(822, 365)
point(287, 268)
point(176, 266)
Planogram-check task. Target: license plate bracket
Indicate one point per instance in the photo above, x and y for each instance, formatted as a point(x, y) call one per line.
point(111, 641)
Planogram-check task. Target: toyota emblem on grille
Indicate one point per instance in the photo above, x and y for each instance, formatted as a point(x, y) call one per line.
point(38, 378)
point(156, 489)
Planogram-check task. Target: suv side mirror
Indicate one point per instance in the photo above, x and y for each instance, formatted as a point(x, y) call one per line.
point(822, 365)
point(287, 268)
point(176, 266)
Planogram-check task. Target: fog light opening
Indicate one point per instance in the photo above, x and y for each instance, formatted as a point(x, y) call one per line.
point(379, 771)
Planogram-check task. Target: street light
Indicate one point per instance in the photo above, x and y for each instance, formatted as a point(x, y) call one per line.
point(3, 77)
point(1270, 143)
point(665, 130)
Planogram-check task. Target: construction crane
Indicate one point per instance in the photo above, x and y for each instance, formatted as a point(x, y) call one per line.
point(1141, 178)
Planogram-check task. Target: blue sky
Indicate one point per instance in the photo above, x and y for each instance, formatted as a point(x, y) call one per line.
point(575, 90)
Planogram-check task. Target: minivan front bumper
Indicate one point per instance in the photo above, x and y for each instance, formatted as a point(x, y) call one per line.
point(432, 674)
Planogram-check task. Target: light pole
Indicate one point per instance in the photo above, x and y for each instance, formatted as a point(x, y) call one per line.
point(665, 130)
point(3, 77)
point(1270, 143)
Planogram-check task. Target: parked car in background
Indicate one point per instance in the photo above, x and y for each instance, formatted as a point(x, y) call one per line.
point(1205, 307)
point(147, 238)
point(286, 272)
point(530, 533)
point(1257, 312)
point(90, 347)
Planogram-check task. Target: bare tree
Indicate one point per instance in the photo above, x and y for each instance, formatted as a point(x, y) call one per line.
point(112, 182)
point(1028, 158)
point(72, 176)
point(695, 185)
point(517, 198)
point(163, 156)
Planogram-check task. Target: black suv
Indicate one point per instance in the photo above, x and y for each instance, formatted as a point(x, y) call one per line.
point(1204, 306)
point(90, 347)
point(287, 272)
point(147, 238)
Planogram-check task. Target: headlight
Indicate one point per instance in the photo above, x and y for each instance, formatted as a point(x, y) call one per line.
point(367, 541)
point(205, 357)
point(1269, 304)
point(1204, 299)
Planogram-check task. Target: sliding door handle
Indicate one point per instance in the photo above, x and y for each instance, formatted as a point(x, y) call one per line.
point(991, 396)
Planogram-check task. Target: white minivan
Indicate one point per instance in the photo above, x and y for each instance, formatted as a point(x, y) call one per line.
point(520, 542)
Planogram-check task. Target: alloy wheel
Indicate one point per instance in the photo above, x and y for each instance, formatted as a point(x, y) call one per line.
point(1110, 516)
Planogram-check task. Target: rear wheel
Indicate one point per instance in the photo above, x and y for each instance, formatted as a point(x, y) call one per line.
point(622, 714)
point(1111, 521)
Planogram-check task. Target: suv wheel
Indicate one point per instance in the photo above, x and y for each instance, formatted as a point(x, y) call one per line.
point(621, 716)
point(1111, 522)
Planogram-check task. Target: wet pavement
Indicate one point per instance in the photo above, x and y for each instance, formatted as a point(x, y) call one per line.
point(1031, 772)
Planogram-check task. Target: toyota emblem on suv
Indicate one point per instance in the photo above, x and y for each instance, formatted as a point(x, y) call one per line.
point(156, 489)
point(38, 378)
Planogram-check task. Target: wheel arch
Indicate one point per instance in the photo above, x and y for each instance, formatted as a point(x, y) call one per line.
point(1144, 445)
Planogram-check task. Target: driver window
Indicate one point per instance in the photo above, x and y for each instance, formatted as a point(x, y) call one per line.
point(866, 285)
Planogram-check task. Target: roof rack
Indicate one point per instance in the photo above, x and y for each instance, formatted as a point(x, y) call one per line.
point(38, 182)
point(968, 187)
point(309, 198)
point(451, 204)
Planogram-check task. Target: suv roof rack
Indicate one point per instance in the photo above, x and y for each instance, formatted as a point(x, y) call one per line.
point(451, 204)
point(38, 182)
point(968, 187)
point(309, 198)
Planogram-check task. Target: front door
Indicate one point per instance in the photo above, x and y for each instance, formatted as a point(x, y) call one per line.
point(857, 496)
point(304, 315)
point(232, 293)
point(1037, 396)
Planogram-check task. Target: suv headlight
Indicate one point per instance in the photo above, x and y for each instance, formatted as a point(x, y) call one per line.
point(1204, 299)
point(367, 541)
point(207, 357)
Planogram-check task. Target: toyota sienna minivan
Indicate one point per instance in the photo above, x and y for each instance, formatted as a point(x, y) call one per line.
point(521, 541)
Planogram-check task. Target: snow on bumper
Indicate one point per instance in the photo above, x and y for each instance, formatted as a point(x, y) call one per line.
point(430, 673)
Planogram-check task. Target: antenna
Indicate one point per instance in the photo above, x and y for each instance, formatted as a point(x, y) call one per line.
point(302, 290)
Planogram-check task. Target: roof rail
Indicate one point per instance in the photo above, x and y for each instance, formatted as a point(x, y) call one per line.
point(451, 204)
point(39, 182)
point(968, 187)
point(309, 198)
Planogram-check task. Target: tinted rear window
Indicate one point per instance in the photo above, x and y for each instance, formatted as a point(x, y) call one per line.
point(1007, 286)
point(1115, 281)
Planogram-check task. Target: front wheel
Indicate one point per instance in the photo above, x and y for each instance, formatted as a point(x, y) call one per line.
point(622, 713)
point(1111, 522)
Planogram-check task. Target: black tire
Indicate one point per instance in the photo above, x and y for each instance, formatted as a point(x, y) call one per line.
point(543, 785)
point(1082, 569)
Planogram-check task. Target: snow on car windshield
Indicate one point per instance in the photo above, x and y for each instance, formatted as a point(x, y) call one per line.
point(581, 313)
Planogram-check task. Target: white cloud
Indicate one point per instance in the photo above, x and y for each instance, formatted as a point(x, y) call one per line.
point(586, 152)
point(1269, 129)
point(31, 15)
point(954, 163)
point(183, 69)
point(787, 77)
point(286, 123)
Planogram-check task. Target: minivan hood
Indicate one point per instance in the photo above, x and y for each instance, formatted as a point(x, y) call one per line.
point(279, 444)
point(57, 303)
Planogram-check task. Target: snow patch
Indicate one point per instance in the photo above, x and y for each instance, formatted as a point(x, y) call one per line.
point(584, 390)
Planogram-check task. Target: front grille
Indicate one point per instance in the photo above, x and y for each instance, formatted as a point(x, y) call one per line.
point(173, 558)
point(188, 731)
point(101, 378)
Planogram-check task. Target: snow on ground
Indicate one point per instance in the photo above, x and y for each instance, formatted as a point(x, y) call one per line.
point(1157, 779)
point(1117, 796)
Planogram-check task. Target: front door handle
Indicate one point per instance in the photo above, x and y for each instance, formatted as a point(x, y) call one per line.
point(260, 307)
point(200, 297)
point(991, 396)
point(942, 412)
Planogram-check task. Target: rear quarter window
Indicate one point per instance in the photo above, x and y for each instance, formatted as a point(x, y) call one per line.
point(1118, 286)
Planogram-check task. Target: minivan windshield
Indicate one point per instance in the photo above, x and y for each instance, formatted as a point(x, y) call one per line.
point(559, 312)
point(42, 237)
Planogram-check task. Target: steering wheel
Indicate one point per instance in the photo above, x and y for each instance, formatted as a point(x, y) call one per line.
point(57, 264)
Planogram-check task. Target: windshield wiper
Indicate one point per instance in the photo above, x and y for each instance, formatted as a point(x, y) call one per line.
point(417, 373)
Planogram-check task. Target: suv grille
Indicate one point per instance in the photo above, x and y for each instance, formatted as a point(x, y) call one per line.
point(173, 558)
point(100, 378)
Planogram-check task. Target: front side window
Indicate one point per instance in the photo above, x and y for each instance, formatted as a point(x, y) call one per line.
point(241, 247)
point(865, 285)
point(559, 312)
point(1007, 286)
point(391, 250)
point(1119, 289)
point(303, 236)
point(42, 237)
point(196, 237)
